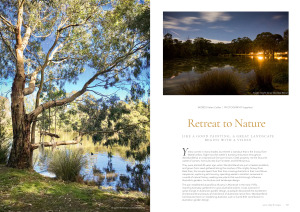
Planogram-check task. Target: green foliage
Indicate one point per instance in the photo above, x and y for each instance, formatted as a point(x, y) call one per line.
point(267, 41)
point(93, 36)
point(4, 147)
point(216, 83)
point(242, 45)
point(67, 164)
point(113, 122)
point(5, 136)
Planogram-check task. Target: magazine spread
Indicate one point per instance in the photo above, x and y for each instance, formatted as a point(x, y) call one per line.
point(82, 106)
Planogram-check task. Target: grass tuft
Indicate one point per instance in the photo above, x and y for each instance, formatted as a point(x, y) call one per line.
point(262, 81)
point(216, 82)
point(67, 164)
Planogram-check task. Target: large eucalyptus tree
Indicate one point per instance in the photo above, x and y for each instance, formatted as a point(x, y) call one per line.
point(56, 40)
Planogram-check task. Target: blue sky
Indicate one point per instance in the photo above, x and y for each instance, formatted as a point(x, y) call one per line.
point(6, 84)
point(223, 26)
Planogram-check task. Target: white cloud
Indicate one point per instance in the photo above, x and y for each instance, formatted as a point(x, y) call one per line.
point(276, 17)
point(190, 20)
point(216, 27)
point(185, 22)
point(180, 23)
point(215, 16)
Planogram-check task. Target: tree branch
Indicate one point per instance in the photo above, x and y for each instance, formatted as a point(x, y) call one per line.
point(8, 45)
point(26, 38)
point(73, 25)
point(31, 86)
point(6, 22)
point(18, 28)
point(61, 102)
point(59, 143)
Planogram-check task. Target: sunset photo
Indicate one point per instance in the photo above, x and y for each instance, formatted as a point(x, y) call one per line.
point(225, 53)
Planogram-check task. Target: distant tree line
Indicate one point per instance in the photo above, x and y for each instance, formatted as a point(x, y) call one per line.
point(265, 42)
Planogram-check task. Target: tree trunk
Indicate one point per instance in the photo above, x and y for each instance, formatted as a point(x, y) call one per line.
point(20, 156)
point(33, 126)
point(20, 151)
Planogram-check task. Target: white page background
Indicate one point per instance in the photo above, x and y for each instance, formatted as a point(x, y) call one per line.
point(170, 114)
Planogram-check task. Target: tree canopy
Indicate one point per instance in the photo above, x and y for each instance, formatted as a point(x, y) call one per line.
point(265, 42)
point(46, 43)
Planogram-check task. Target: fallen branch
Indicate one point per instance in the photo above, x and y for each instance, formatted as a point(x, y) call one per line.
point(50, 134)
point(59, 143)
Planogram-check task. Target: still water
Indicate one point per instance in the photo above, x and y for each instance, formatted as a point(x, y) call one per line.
point(178, 72)
point(107, 170)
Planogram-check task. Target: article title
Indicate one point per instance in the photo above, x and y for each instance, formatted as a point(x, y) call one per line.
point(236, 123)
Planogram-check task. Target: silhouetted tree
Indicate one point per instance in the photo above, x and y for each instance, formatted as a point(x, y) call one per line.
point(202, 46)
point(268, 42)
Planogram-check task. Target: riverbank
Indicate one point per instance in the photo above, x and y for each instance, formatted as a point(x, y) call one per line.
point(25, 190)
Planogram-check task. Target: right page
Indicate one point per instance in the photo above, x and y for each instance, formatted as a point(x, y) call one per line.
point(225, 99)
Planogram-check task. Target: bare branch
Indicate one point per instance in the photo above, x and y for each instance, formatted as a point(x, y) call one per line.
point(59, 143)
point(42, 36)
point(73, 25)
point(61, 102)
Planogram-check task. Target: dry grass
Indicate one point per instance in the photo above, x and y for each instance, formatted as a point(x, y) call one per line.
point(217, 82)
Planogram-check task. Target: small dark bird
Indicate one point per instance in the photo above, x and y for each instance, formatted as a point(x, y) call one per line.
point(92, 153)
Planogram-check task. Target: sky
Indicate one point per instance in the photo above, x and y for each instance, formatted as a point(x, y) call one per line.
point(6, 84)
point(223, 26)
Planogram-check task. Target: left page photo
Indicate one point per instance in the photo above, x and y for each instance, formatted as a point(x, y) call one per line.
point(75, 105)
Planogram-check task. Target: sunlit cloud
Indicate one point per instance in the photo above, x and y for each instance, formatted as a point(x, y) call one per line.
point(190, 20)
point(215, 16)
point(276, 17)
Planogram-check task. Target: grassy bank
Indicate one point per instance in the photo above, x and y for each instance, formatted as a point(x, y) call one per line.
point(22, 190)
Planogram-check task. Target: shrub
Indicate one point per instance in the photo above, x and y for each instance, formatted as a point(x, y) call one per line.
point(67, 164)
point(4, 147)
point(262, 81)
point(5, 137)
point(217, 82)
point(281, 78)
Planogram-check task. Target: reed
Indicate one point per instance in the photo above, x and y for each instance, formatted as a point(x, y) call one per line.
point(67, 164)
point(217, 82)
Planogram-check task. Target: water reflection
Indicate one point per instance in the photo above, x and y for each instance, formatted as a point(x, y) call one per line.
point(107, 170)
point(178, 72)
point(131, 177)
